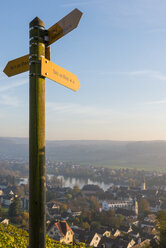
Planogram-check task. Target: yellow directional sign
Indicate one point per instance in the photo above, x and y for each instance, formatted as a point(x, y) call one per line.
point(58, 30)
point(21, 64)
point(64, 26)
point(59, 75)
point(17, 66)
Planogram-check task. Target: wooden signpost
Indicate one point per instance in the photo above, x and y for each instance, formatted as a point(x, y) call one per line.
point(39, 65)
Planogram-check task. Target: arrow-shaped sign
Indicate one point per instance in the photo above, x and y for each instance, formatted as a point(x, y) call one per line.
point(59, 75)
point(64, 26)
point(21, 64)
point(17, 66)
point(58, 30)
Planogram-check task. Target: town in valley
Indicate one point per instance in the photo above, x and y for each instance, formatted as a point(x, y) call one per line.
point(101, 207)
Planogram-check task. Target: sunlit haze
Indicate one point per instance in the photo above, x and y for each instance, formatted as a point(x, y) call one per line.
point(118, 54)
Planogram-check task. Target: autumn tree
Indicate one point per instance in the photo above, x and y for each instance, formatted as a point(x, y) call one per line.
point(63, 208)
point(94, 203)
point(76, 190)
point(143, 205)
point(69, 196)
point(85, 225)
point(20, 190)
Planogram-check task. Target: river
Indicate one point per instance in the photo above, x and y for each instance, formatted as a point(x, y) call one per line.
point(72, 181)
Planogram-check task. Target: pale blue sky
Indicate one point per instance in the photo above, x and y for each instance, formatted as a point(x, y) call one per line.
point(118, 52)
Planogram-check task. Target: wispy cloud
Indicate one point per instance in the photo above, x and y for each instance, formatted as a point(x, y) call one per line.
point(84, 111)
point(9, 100)
point(144, 14)
point(141, 72)
point(145, 73)
point(156, 102)
point(149, 73)
point(75, 108)
point(4, 87)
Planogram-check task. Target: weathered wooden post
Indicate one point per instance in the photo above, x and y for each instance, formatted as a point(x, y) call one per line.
point(37, 171)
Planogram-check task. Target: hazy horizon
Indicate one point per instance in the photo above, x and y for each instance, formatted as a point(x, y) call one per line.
point(118, 54)
point(26, 137)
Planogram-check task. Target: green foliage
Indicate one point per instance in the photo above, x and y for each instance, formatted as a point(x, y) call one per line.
point(63, 208)
point(4, 212)
point(85, 225)
point(76, 190)
point(161, 225)
point(94, 203)
point(96, 219)
point(12, 237)
point(50, 196)
point(69, 196)
point(15, 210)
point(52, 244)
point(95, 225)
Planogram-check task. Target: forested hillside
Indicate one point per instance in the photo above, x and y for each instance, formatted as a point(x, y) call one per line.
point(141, 154)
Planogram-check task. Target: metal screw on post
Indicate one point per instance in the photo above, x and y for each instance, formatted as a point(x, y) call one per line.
point(37, 174)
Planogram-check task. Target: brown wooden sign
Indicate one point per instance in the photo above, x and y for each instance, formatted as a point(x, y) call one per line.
point(64, 26)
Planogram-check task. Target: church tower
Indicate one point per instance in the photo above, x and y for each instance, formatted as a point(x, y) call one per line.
point(143, 185)
point(135, 206)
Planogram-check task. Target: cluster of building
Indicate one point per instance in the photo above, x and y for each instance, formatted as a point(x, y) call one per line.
point(8, 193)
point(124, 200)
point(123, 237)
point(120, 198)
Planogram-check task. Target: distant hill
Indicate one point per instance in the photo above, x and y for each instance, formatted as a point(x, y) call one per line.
point(141, 154)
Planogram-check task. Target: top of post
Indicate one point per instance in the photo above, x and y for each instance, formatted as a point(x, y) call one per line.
point(36, 22)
